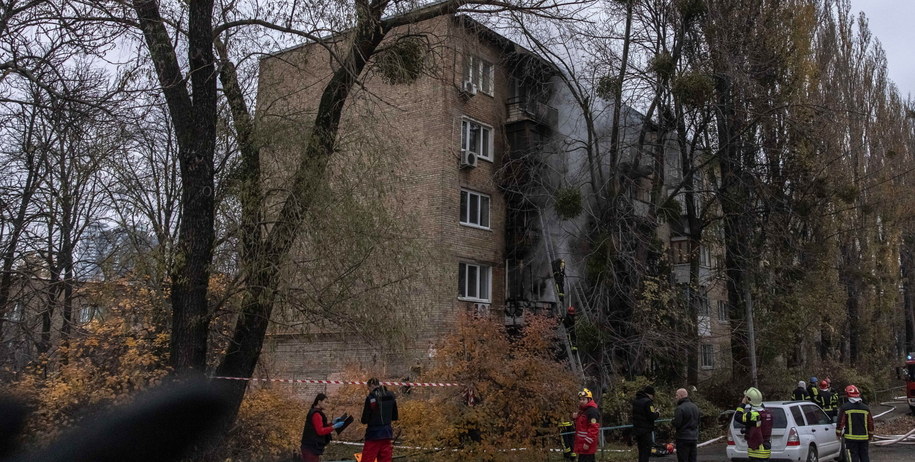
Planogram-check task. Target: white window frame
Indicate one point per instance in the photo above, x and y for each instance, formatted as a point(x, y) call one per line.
point(484, 209)
point(480, 72)
point(474, 278)
point(707, 356)
point(484, 144)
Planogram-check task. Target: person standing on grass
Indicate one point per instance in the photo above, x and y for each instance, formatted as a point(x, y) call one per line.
point(378, 412)
point(643, 416)
point(316, 433)
point(587, 427)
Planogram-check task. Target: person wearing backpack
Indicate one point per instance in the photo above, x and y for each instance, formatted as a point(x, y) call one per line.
point(758, 424)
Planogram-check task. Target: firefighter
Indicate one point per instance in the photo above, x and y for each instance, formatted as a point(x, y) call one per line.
point(758, 424)
point(568, 321)
point(856, 420)
point(800, 393)
point(643, 416)
point(587, 426)
point(828, 400)
point(812, 391)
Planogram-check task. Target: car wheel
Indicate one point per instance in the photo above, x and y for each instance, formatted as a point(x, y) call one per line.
point(812, 454)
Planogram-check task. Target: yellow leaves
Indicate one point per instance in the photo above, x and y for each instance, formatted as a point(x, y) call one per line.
point(520, 391)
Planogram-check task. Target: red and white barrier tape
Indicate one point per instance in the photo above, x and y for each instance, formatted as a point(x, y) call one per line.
point(342, 382)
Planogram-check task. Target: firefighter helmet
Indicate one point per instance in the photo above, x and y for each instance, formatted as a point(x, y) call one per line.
point(585, 393)
point(824, 385)
point(852, 391)
point(754, 396)
point(813, 380)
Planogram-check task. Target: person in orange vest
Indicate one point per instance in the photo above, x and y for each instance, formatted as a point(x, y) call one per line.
point(856, 425)
point(587, 427)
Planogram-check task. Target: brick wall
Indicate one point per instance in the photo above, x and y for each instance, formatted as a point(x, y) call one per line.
point(423, 119)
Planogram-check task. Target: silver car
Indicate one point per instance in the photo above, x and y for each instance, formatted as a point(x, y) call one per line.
point(801, 431)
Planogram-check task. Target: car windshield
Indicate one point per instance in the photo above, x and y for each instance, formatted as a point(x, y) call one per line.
point(779, 420)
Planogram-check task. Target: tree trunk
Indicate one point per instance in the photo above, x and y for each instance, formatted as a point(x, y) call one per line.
point(194, 118)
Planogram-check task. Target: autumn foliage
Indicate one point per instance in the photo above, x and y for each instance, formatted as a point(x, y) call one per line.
point(119, 352)
point(514, 395)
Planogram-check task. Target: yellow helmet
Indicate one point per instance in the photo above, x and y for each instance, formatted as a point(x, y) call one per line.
point(754, 396)
point(585, 393)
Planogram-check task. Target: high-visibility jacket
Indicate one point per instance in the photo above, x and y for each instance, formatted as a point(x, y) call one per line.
point(856, 420)
point(813, 394)
point(758, 424)
point(587, 427)
point(828, 400)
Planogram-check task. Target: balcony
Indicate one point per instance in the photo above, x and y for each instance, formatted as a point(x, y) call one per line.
point(525, 109)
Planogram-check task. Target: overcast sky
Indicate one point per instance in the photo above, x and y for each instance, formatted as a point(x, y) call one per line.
point(892, 22)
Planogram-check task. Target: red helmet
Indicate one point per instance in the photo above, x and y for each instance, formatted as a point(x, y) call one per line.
point(570, 309)
point(852, 391)
point(824, 385)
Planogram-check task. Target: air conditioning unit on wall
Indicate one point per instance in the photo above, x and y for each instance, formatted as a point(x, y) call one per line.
point(469, 87)
point(468, 159)
point(481, 309)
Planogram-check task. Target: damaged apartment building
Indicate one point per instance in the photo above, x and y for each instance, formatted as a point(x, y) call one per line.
point(478, 146)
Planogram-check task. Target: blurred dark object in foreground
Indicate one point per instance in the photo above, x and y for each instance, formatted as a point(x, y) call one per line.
point(165, 424)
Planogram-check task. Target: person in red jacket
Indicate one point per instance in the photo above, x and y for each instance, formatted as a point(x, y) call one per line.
point(316, 433)
point(587, 426)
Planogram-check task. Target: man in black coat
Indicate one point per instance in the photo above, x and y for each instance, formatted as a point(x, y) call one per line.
point(643, 416)
point(686, 424)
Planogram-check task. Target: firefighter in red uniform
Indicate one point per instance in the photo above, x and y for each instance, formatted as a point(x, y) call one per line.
point(856, 420)
point(587, 426)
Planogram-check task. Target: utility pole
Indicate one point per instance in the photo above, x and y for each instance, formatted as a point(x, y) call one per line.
point(751, 332)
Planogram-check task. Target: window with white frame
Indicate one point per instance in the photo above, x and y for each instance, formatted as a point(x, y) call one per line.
point(707, 356)
point(474, 282)
point(476, 138)
point(480, 72)
point(474, 209)
point(722, 311)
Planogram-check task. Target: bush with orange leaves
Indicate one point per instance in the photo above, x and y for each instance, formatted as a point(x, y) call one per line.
point(514, 393)
point(103, 362)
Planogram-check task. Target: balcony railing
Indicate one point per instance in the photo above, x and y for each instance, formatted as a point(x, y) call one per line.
point(521, 108)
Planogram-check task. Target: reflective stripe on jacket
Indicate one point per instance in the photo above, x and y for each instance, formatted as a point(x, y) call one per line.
point(856, 420)
point(758, 423)
point(587, 427)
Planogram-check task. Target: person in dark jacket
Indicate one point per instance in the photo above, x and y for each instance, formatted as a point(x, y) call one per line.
point(686, 424)
point(568, 321)
point(643, 417)
point(379, 410)
point(856, 425)
point(587, 427)
point(316, 433)
point(800, 393)
point(813, 390)
point(828, 400)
